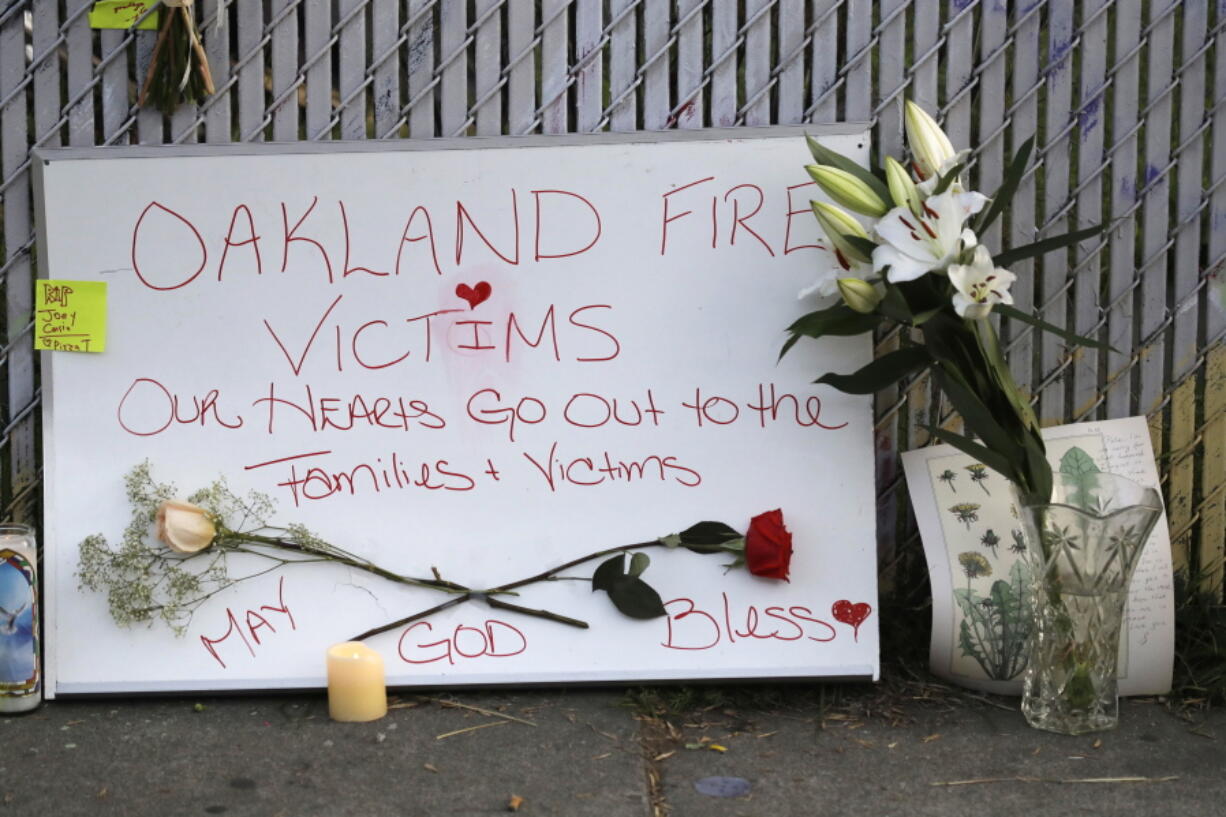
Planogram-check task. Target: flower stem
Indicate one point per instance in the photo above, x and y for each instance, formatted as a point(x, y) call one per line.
point(339, 556)
point(438, 608)
point(546, 575)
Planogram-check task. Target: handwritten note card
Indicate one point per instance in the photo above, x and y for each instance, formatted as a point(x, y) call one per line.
point(964, 510)
point(488, 358)
point(70, 316)
point(122, 14)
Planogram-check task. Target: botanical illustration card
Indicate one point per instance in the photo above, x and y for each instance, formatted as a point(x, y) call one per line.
point(973, 543)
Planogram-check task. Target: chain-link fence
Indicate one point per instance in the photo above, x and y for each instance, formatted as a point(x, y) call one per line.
point(1125, 99)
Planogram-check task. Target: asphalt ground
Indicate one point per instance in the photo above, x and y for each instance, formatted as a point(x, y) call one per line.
point(899, 749)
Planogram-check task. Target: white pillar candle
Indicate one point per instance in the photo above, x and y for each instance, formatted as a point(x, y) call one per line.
point(356, 689)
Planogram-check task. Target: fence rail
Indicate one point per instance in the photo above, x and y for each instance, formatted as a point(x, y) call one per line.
point(1126, 100)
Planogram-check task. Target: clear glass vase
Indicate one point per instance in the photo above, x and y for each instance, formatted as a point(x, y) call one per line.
point(1083, 547)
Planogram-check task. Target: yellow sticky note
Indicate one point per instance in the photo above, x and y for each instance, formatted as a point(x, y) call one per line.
point(122, 14)
point(70, 316)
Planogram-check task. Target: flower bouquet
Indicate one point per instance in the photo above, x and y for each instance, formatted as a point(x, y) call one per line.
point(179, 68)
point(902, 250)
point(910, 257)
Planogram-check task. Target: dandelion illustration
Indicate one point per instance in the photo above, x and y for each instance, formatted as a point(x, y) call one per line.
point(947, 476)
point(990, 541)
point(974, 565)
point(979, 474)
point(966, 512)
point(995, 627)
point(1019, 542)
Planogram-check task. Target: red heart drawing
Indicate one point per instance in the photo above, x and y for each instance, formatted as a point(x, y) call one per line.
point(850, 614)
point(474, 295)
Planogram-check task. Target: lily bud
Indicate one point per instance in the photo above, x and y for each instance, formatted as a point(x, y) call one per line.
point(902, 189)
point(184, 527)
point(837, 225)
point(849, 191)
point(930, 147)
point(859, 295)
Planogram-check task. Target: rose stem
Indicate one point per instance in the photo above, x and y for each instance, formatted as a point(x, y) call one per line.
point(543, 576)
point(549, 573)
point(393, 625)
point(530, 611)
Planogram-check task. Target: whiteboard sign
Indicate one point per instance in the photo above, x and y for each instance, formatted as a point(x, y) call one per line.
point(487, 357)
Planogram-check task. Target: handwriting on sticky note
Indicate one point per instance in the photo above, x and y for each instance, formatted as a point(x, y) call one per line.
point(70, 316)
point(122, 14)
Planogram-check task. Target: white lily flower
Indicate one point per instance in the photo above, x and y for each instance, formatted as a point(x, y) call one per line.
point(838, 225)
point(859, 294)
point(980, 285)
point(832, 266)
point(929, 242)
point(929, 183)
point(930, 147)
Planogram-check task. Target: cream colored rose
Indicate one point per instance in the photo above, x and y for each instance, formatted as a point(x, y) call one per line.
point(184, 527)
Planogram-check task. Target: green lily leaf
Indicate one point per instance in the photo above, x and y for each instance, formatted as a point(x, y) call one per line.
point(977, 417)
point(825, 156)
point(1007, 189)
point(1035, 321)
point(1035, 480)
point(864, 245)
point(948, 179)
point(894, 305)
point(973, 449)
point(839, 319)
point(998, 367)
point(884, 371)
point(787, 346)
point(1047, 245)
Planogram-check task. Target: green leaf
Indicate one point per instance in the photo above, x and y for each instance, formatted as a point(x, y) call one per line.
point(957, 350)
point(1025, 317)
point(839, 320)
point(711, 537)
point(609, 573)
point(787, 345)
point(863, 245)
point(894, 305)
point(1034, 480)
point(1004, 194)
point(979, 419)
point(636, 598)
point(948, 179)
point(1047, 245)
point(1077, 463)
point(708, 533)
point(825, 156)
point(967, 446)
point(638, 563)
point(998, 368)
point(884, 371)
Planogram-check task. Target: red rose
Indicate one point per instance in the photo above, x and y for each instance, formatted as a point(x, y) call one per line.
point(768, 546)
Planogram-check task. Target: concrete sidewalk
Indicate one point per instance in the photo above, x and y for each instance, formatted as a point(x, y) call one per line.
point(914, 750)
